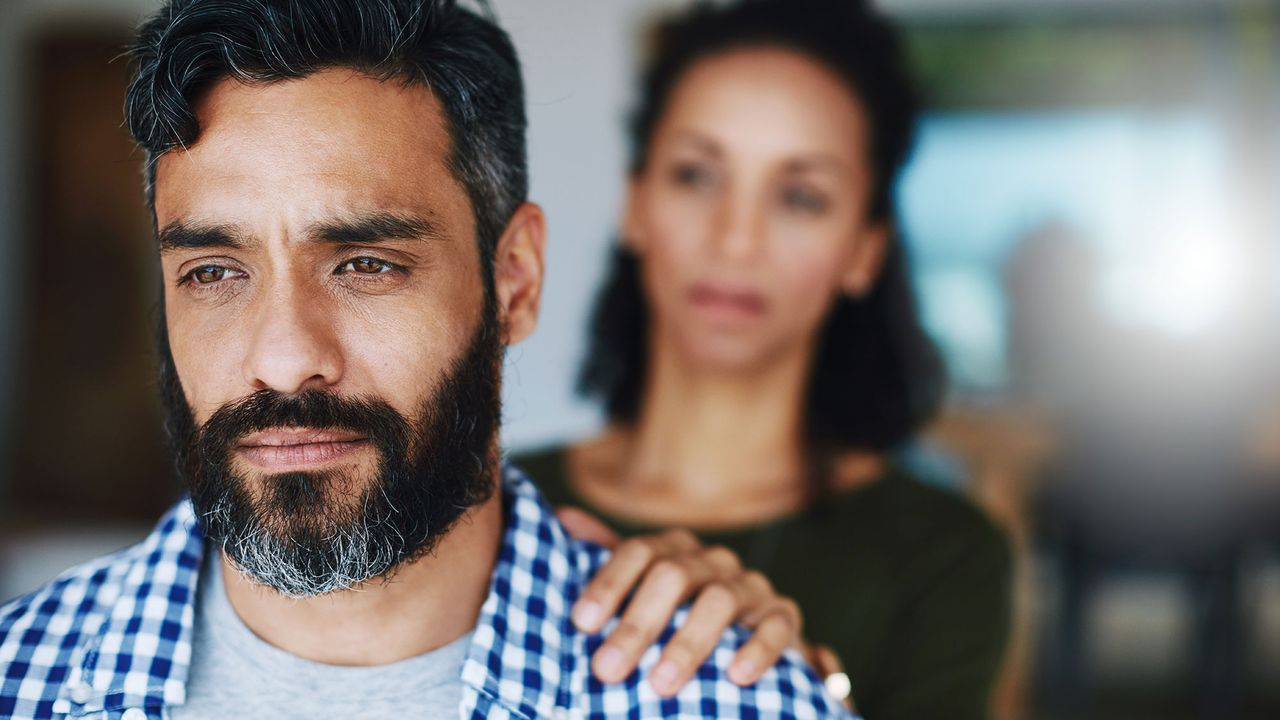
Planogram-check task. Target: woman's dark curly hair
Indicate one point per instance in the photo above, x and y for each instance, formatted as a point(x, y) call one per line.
point(877, 377)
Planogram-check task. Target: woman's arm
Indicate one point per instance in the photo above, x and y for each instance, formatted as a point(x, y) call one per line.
point(951, 638)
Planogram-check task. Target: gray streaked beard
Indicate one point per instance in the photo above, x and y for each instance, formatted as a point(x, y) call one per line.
point(307, 534)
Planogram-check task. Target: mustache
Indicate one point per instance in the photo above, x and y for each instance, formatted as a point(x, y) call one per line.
point(267, 409)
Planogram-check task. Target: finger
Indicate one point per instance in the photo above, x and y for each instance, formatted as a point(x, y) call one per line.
point(824, 660)
point(714, 610)
point(669, 582)
point(602, 596)
point(723, 559)
point(772, 636)
point(780, 606)
point(582, 525)
point(679, 539)
point(758, 599)
point(631, 558)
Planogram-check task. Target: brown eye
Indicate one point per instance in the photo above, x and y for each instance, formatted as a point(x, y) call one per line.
point(208, 274)
point(692, 176)
point(804, 200)
point(365, 266)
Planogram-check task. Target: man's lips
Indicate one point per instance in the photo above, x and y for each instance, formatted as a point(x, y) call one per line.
point(298, 447)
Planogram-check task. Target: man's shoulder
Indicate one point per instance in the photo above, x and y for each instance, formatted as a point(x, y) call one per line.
point(68, 602)
point(92, 587)
point(43, 633)
point(134, 595)
point(526, 630)
point(790, 689)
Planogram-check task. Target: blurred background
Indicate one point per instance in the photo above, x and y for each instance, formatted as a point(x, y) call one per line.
point(1093, 218)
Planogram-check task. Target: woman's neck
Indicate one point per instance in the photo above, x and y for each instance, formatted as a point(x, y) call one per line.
point(711, 435)
point(710, 450)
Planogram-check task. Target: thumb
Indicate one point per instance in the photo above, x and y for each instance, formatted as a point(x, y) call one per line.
point(582, 525)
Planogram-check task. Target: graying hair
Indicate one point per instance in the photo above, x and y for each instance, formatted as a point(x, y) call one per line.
point(461, 56)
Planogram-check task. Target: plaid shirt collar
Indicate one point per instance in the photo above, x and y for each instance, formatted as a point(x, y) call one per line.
point(115, 635)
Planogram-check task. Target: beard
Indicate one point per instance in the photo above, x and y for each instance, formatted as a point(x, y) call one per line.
point(305, 534)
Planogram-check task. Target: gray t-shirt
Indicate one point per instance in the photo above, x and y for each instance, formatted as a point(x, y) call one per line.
point(234, 673)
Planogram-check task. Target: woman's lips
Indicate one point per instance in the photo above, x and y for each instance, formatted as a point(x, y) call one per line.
point(727, 304)
point(293, 448)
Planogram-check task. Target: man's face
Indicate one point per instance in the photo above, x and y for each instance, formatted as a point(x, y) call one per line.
point(327, 320)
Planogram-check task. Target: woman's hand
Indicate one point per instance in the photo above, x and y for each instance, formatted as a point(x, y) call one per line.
point(660, 573)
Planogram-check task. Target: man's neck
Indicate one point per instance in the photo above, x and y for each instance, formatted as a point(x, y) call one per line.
point(426, 605)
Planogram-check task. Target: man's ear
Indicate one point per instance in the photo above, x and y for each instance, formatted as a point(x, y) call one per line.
point(864, 264)
point(518, 267)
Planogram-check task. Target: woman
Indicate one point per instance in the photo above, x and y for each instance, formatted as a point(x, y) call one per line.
point(758, 353)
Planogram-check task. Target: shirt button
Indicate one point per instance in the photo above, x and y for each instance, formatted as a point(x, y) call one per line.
point(80, 693)
point(134, 714)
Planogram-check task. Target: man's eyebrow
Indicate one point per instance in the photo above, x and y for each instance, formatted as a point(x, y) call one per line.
point(372, 228)
point(178, 235)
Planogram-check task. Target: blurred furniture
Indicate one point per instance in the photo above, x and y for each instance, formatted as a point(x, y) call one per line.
point(87, 438)
point(1002, 448)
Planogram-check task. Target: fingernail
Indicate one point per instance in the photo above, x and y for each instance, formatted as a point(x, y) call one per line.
point(664, 676)
point(743, 672)
point(609, 661)
point(586, 615)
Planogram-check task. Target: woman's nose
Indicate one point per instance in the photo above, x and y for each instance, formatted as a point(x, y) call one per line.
point(739, 233)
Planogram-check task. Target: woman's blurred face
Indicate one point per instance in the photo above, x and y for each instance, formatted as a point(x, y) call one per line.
point(750, 214)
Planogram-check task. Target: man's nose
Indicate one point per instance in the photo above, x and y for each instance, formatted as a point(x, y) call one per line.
point(293, 344)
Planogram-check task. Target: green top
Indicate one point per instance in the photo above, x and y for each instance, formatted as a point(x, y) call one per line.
point(909, 584)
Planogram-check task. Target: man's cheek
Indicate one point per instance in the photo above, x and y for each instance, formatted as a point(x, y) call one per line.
point(397, 355)
point(207, 383)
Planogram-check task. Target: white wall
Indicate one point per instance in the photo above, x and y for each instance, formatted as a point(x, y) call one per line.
point(578, 57)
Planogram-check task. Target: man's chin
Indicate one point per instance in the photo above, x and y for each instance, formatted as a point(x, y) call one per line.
point(326, 492)
point(299, 554)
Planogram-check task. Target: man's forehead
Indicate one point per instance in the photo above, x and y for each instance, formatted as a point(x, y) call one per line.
point(332, 139)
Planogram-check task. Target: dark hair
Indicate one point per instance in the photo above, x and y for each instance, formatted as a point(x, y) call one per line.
point(464, 58)
point(877, 377)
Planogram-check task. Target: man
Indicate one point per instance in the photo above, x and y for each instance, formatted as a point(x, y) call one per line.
point(338, 191)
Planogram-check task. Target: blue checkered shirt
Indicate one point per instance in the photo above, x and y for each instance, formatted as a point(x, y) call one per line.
point(112, 638)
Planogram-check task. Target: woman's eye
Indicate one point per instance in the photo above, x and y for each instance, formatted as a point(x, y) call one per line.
point(804, 200)
point(693, 176)
point(366, 266)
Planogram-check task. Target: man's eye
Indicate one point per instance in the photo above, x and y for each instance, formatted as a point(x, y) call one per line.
point(208, 274)
point(366, 266)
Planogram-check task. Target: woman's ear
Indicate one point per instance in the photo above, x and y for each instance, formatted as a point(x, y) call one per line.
point(518, 268)
point(868, 256)
point(632, 236)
